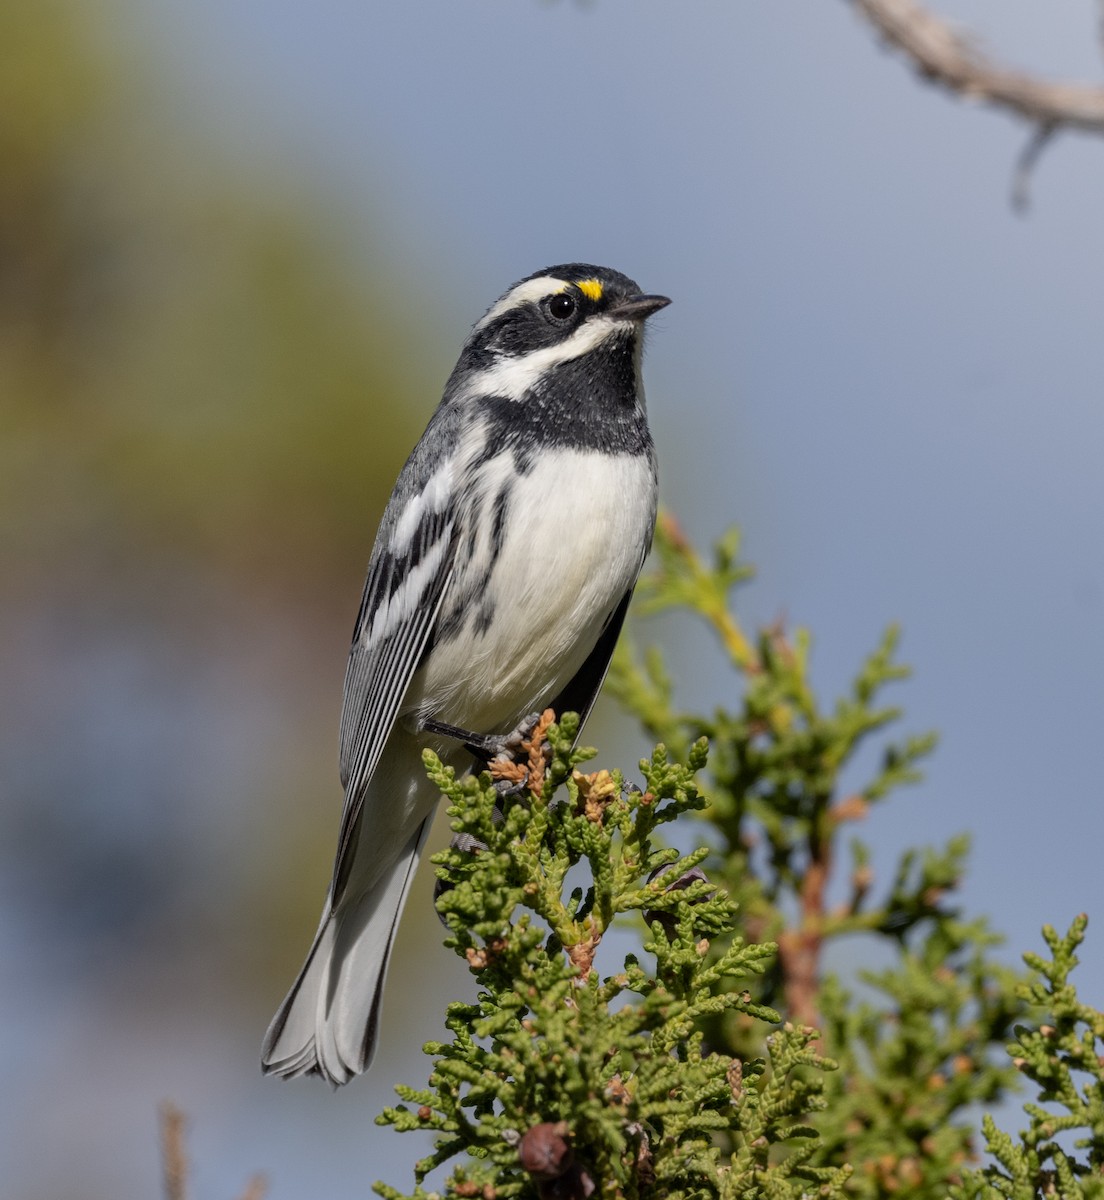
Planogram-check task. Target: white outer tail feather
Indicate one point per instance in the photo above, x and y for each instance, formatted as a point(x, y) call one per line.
point(329, 1021)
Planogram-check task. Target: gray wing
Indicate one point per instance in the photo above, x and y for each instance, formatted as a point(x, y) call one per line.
point(582, 689)
point(402, 596)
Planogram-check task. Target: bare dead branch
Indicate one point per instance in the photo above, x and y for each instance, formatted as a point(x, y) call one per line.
point(1025, 166)
point(944, 57)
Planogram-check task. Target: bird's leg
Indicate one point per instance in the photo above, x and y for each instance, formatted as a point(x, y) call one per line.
point(503, 753)
point(485, 746)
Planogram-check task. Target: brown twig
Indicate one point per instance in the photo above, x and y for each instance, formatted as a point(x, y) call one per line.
point(946, 57)
point(174, 1162)
point(256, 1188)
point(799, 948)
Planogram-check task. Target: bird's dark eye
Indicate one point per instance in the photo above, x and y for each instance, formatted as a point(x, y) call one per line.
point(561, 307)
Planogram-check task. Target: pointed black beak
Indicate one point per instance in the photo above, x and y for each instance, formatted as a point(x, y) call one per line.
point(637, 308)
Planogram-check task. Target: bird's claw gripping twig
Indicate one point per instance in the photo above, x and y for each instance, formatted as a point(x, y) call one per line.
point(487, 746)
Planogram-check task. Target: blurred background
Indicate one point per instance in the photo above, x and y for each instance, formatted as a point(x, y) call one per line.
point(240, 246)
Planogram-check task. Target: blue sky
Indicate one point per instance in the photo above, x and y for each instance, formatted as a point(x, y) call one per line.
point(889, 379)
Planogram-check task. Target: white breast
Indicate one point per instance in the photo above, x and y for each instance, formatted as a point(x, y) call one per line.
point(575, 537)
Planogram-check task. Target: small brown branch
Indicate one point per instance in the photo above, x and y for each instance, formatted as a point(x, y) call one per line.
point(174, 1162)
point(255, 1189)
point(850, 808)
point(945, 57)
point(799, 948)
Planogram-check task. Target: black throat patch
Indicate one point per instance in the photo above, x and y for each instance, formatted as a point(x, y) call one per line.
point(585, 403)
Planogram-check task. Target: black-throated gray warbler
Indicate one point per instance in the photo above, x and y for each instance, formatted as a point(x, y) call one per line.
point(497, 586)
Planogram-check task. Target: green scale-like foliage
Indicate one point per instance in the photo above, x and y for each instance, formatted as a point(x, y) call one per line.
point(922, 1044)
point(1061, 1153)
point(726, 1059)
point(612, 1066)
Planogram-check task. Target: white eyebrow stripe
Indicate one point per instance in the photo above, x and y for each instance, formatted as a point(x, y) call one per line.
point(525, 293)
point(512, 377)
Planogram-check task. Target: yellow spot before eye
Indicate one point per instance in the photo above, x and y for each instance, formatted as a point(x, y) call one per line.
point(591, 288)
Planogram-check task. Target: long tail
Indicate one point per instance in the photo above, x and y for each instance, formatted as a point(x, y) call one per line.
point(329, 1021)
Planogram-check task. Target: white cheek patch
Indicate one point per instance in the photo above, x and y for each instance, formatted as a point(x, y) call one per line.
point(525, 293)
point(513, 377)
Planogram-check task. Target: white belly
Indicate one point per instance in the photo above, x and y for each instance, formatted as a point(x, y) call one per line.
point(564, 566)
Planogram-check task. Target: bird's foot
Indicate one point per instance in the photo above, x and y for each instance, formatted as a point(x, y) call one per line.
point(487, 746)
point(516, 760)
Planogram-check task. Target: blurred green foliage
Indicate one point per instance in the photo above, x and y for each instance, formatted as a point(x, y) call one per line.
point(204, 401)
point(185, 361)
